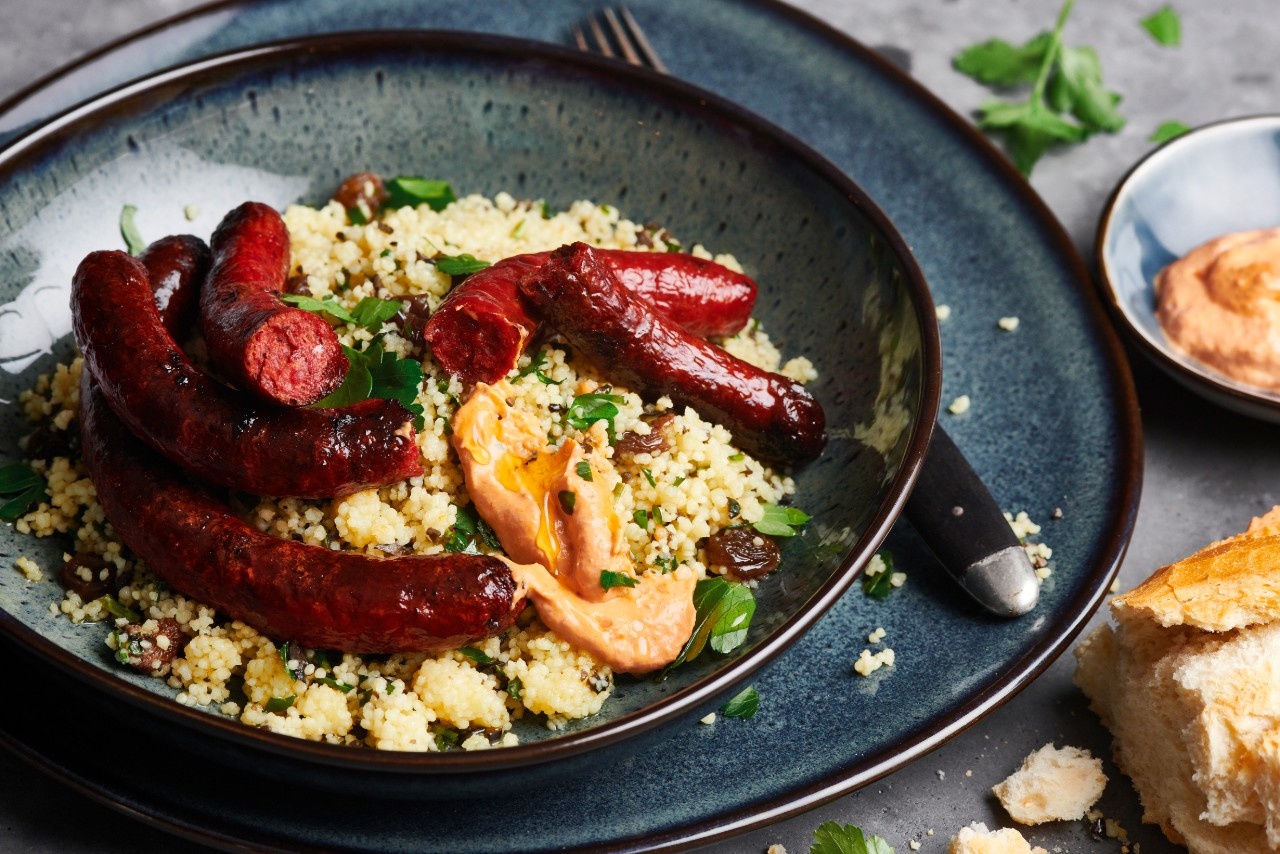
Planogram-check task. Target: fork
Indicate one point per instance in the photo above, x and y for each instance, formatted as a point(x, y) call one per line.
point(623, 36)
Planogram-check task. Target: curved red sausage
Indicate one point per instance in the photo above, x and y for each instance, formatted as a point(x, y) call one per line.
point(285, 589)
point(481, 329)
point(579, 296)
point(274, 351)
point(177, 266)
point(213, 431)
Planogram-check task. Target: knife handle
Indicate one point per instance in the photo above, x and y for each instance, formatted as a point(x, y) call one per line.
point(955, 514)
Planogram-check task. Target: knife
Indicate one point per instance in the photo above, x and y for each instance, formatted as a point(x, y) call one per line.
point(956, 516)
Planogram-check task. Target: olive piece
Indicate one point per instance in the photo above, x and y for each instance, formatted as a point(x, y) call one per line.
point(745, 553)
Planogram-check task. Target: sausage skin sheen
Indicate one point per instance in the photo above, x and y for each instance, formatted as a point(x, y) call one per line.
point(480, 330)
point(579, 296)
point(177, 266)
point(215, 432)
point(271, 350)
point(285, 589)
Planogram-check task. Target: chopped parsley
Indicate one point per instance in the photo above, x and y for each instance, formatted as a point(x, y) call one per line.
point(446, 739)
point(408, 191)
point(879, 585)
point(460, 265)
point(369, 313)
point(587, 409)
point(290, 651)
point(129, 231)
point(567, 500)
point(336, 685)
point(1168, 131)
point(467, 529)
point(356, 216)
point(742, 705)
point(835, 838)
point(642, 518)
point(22, 486)
point(279, 704)
point(1165, 26)
point(121, 612)
point(536, 363)
point(584, 470)
point(723, 612)
point(648, 475)
point(781, 521)
point(127, 646)
point(610, 579)
point(479, 656)
point(375, 373)
point(514, 687)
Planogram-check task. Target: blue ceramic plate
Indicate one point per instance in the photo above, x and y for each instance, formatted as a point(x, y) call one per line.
point(286, 123)
point(1215, 180)
point(1054, 425)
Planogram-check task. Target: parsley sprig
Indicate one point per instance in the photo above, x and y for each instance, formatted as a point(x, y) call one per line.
point(373, 372)
point(742, 705)
point(780, 521)
point(22, 486)
point(835, 838)
point(1068, 102)
point(723, 612)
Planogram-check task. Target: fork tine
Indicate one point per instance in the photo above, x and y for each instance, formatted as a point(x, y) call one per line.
point(601, 39)
point(580, 38)
point(622, 37)
point(641, 41)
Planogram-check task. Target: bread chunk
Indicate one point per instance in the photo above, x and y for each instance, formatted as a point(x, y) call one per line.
point(976, 839)
point(1052, 784)
point(1188, 682)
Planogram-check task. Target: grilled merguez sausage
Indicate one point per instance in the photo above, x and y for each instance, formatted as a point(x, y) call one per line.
point(579, 296)
point(176, 266)
point(271, 350)
point(285, 589)
point(213, 431)
point(481, 329)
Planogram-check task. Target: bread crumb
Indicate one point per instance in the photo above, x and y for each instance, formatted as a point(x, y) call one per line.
point(1008, 324)
point(1052, 784)
point(960, 405)
point(943, 312)
point(913, 845)
point(877, 635)
point(976, 839)
point(191, 212)
point(709, 719)
point(776, 849)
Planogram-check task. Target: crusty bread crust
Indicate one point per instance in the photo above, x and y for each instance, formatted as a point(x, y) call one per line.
point(976, 839)
point(1188, 682)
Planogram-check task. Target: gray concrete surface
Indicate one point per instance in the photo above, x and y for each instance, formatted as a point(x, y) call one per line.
point(1207, 472)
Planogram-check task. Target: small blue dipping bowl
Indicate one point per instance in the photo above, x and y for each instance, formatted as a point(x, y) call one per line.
point(1217, 179)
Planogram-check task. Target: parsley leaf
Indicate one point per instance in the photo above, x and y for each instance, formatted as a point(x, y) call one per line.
point(1165, 26)
point(998, 63)
point(1067, 84)
point(1076, 88)
point(1168, 131)
point(587, 409)
point(583, 469)
point(463, 532)
point(129, 231)
point(723, 612)
point(568, 499)
point(372, 312)
point(407, 191)
point(22, 486)
point(336, 685)
point(781, 521)
point(279, 704)
point(610, 579)
point(835, 838)
point(460, 265)
point(374, 373)
point(479, 656)
point(113, 607)
point(515, 688)
point(535, 366)
point(743, 705)
point(879, 585)
point(328, 305)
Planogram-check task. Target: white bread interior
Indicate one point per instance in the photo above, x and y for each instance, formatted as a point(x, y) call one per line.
point(976, 839)
point(1188, 682)
point(1053, 784)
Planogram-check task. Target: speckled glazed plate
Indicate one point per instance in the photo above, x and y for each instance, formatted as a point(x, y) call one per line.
point(1054, 425)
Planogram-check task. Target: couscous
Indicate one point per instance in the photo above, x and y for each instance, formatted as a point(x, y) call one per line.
point(671, 495)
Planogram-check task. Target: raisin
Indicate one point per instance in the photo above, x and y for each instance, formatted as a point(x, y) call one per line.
point(101, 581)
point(363, 191)
point(631, 443)
point(147, 652)
point(743, 552)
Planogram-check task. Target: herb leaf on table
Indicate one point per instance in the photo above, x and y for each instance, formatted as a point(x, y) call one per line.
point(834, 838)
point(1066, 84)
point(1165, 26)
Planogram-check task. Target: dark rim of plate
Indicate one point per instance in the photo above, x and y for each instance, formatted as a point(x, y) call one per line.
point(1161, 351)
point(683, 95)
